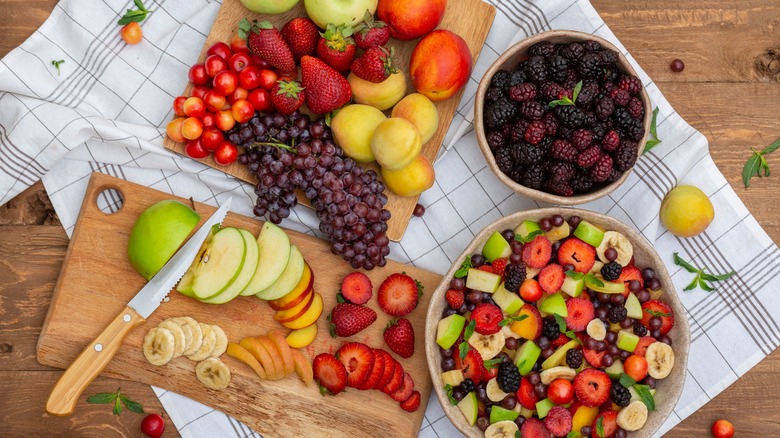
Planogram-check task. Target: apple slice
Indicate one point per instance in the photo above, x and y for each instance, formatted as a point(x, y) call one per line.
point(302, 367)
point(482, 280)
point(554, 304)
point(559, 356)
point(449, 329)
point(216, 266)
point(543, 407)
point(238, 352)
point(308, 318)
point(633, 307)
point(273, 254)
point(589, 233)
point(288, 280)
point(277, 337)
point(302, 337)
point(258, 350)
point(496, 247)
point(509, 302)
point(298, 294)
point(573, 287)
point(526, 357)
point(243, 277)
point(295, 312)
point(470, 407)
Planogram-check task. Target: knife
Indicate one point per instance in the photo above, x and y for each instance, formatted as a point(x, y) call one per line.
point(95, 357)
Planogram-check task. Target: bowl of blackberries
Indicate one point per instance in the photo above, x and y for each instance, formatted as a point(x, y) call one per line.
point(561, 117)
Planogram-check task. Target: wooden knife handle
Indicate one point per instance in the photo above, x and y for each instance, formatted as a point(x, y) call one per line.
point(91, 361)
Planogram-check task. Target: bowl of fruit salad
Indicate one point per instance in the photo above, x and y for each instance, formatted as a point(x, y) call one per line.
point(557, 322)
point(561, 117)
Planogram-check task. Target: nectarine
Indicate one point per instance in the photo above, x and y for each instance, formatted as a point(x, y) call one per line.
point(440, 65)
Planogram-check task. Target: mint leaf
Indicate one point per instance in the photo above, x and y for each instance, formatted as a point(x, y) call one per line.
point(561, 323)
point(531, 236)
point(592, 279)
point(103, 398)
point(646, 396)
point(600, 427)
point(701, 278)
point(573, 434)
point(575, 275)
point(710, 277)
point(757, 163)
point(56, 65)
point(656, 313)
point(680, 262)
point(510, 319)
point(448, 389)
point(652, 142)
point(626, 380)
point(653, 126)
point(492, 363)
point(576, 93)
point(771, 148)
point(463, 349)
point(131, 405)
point(464, 268)
point(469, 329)
point(561, 102)
point(117, 399)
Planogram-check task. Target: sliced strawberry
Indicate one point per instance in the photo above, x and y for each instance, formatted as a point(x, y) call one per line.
point(577, 253)
point(377, 371)
point(630, 272)
point(487, 316)
point(330, 373)
point(399, 294)
point(534, 428)
point(406, 389)
point(581, 312)
point(389, 370)
point(526, 395)
point(594, 357)
point(608, 423)
point(490, 373)
point(536, 253)
point(412, 403)
point(472, 365)
point(358, 359)
point(499, 266)
point(655, 307)
point(558, 421)
point(396, 381)
point(560, 340)
point(455, 298)
point(356, 288)
point(641, 346)
point(592, 387)
point(486, 268)
point(551, 278)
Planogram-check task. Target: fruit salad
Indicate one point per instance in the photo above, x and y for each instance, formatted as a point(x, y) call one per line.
point(553, 330)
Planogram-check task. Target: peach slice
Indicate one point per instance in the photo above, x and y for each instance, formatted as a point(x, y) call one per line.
point(236, 351)
point(302, 367)
point(295, 312)
point(279, 341)
point(308, 318)
point(302, 337)
point(279, 363)
point(530, 327)
point(261, 353)
point(298, 294)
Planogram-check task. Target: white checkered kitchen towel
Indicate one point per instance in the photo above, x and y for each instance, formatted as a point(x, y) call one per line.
point(107, 111)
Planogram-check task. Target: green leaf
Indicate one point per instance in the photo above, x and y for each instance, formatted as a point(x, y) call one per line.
point(751, 168)
point(56, 65)
point(575, 275)
point(646, 396)
point(561, 102)
point(531, 236)
point(464, 268)
point(140, 5)
point(722, 277)
point(448, 389)
point(463, 349)
point(561, 323)
point(600, 427)
point(692, 284)
point(103, 398)
point(704, 285)
point(520, 365)
point(594, 280)
point(653, 125)
point(626, 380)
point(688, 267)
point(649, 145)
point(573, 434)
point(117, 407)
point(517, 434)
point(656, 313)
point(771, 148)
point(132, 405)
point(469, 329)
point(510, 319)
point(492, 363)
point(576, 93)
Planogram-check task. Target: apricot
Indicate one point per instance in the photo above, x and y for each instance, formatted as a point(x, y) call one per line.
point(686, 211)
point(353, 127)
point(382, 95)
point(419, 110)
point(411, 180)
point(396, 143)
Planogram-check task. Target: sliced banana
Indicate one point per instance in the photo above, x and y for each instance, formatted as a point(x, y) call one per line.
point(452, 378)
point(207, 346)
point(613, 239)
point(494, 391)
point(159, 346)
point(195, 330)
point(220, 345)
point(660, 360)
point(596, 329)
point(488, 346)
point(213, 373)
point(180, 341)
point(502, 429)
point(555, 373)
point(633, 417)
point(597, 265)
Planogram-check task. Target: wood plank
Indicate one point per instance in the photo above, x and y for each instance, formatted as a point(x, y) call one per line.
point(19, 19)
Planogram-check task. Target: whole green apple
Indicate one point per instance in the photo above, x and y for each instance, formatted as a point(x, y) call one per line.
point(157, 234)
point(349, 12)
point(269, 6)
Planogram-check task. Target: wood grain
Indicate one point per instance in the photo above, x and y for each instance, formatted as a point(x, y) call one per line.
point(470, 19)
point(96, 282)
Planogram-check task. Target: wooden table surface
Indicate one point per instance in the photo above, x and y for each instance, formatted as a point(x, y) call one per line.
point(729, 91)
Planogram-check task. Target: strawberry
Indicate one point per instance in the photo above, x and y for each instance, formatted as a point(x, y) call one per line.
point(336, 47)
point(534, 428)
point(578, 254)
point(264, 40)
point(356, 288)
point(455, 298)
point(375, 64)
point(396, 380)
point(406, 389)
point(558, 421)
point(526, 395)
point(371, 32)
point(287, 95)
point(399, 294)
point(630, 272)
point(472, 365)
point(594, 357)
point(377, 371)
point(608, 424)
point(390, 364)
point(536, 253)
point(641, 346)
point(654, 307)
point(560, 340)
point(581, 312)
point(358, 360)
point(551, 278)
point(326, 89)
point(346, 319)
point(487, 316)
point(499, 266)
point(399, 336)
point(330, 373)
point(412, 403)
point(486, 268)
point(592, 387)
point(301, 35)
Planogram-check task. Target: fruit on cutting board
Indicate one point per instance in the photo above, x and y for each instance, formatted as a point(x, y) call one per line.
point(157, 234)
point(411, 180)
point(300, 293)
point(440, 65)
point(271, 357)
point(302, 337)
point(288, 280)
point(352, 129)
point(382, 95)
point(269, 6)
point(395, 143)
point(309, 317)
point(349, 12)
point(686, 211)
point(273, 256)
point(419, 110)
point(244, 276)
point(410, 19)
point(216, 266)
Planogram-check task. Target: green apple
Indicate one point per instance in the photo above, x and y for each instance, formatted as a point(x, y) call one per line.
point(589, 233)
point(627, 341)
point(558, 233)
point(633, 307)
point(525, 229)
point(497, 413)
point(559, 355)
point(269, 6)
point(244, 276)
point(543, 407)
point(349, 12)
point(496, 247)
point(482, 281)
point(526, 356)
point(509, 302)
point(288, 280)
point(554, 304)
point(615, 370)
point(449, 329)
point(157, 234)
point(273, 254)
point(607, 287)
point(573, 287)
point(216, 266)
point(470, 408)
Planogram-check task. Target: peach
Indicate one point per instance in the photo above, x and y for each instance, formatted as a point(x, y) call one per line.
point(396, 143)
point(308, 318)
point(303, 367)
point(296, 311)
point(280, 343)
point(382, 95)
point(302, 289)
point(173, 129)
point(419, 110)
point(686, 211)
point(238, 352)
point(410, 19)
point(411, 180)
point(353, 127)
point(302, 337)
point(440, 65)
point(258, 349)
point(531, 326)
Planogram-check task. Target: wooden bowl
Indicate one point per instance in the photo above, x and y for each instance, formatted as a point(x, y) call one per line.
point(668, 389)
point(509, 61)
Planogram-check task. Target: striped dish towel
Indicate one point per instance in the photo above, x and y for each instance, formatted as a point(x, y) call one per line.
point(106, 112)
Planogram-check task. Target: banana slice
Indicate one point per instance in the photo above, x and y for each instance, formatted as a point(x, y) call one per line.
point(159, 346)
point(488, 346)
point(597, 265)
point(660, 360)
point(186, 330)
point(494, 391)
point(633, 417)
point(596, 329)
point(453, 378)
point(179, 338)
point(502, 429)
point(220, 345)
point(213, 373)
point(207, 346)
point(613, 239)
point(195, 330)
point(555, 373)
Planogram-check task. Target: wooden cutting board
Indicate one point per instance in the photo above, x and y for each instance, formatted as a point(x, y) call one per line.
point(471, 19)
point(97, 281)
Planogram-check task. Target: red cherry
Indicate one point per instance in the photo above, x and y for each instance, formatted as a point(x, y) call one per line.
point(195, 149)
point(260, 99)
point(221, 49)
point(215, 64)
point(197, 74)
point(226, 82)
point(238, 45)
point(212, 138)
point(226, 153)
point(178, 105)
point(249, 77)
point(268, 78)
point(239, 61)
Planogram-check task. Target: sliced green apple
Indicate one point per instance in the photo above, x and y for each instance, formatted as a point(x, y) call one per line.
point(615, 370)
point(497, 413)
point(526, 356)
point(482, 280)
point(273, 254)
point(470, 407)
point(627, 341)
point(288, 280)
point(589, 233)
point(543, 407)
point(496, 247)
point(216, 266)
point(509, 302)
point(554, 304)
point(527, 228)
point(633, 306)
point(448, 330)
point(573, 287)
point(559, 355)
point(558, 233)
point(607, 287)
point(243, 277)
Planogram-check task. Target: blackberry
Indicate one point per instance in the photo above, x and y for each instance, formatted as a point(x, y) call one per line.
point(617, 314)
point(590, 118)
point(610, 73)
point(620, 395)
point(550, 328)
point(581, 183)
point(636, 108)
point(516, 174)
point(608, 56)
point(570, 116)
point(557, 68)
point(635, 130)
point(550, 91)
point(571, 79)
point(614, 176)
point(611, 271)
point(626, 155)
point(535, 132)
point(640, 330)
point(546, 145)
point(501, 80)
point(562, 171)
point(622, 118)
point(632, 84)
point(611, 141)
point(565, 132)
point(533, 177)
point(572, 51)
point(551, 123)
point(532, 110)
point(589, 66)
point(574, 358)
point(564, 151)
point(496, 140)
point(601, 170)
point(545, 48)
point(493, 94)
point(591, 46)
point(514, 276)
point(589, 91)
point(516, 78)
point(589, 157)
point(535, 69)
point(504, 160)
point(500, 112)
point(518, 130)
point(523, 92)
point(598, 130)
point(561, 188)
point(530, 154)
point(508, 377)
point(581, 139)
point(604, 107)
point(620, 96)
point(467, 385)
